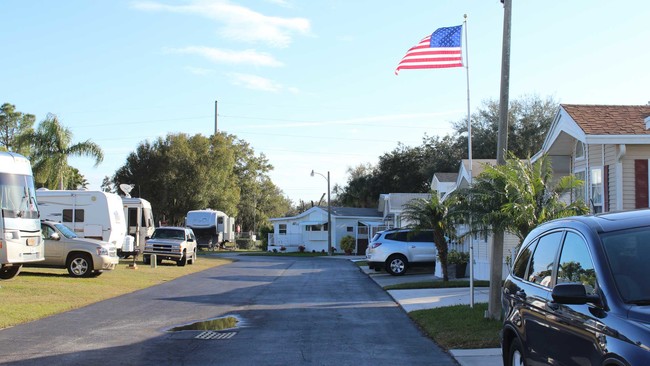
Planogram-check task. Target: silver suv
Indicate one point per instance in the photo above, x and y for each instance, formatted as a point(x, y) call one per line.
point(173, 243)
point(396, 250)
point(82, 257)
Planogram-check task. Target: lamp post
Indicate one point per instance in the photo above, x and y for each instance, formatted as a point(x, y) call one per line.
point(329, 212)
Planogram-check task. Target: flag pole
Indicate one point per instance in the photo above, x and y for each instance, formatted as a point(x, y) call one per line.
point(469, 149)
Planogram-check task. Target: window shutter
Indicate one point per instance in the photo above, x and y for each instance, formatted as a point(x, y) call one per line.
point(641, 183)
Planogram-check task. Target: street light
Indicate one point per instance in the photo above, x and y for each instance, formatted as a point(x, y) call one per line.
point(329, 212)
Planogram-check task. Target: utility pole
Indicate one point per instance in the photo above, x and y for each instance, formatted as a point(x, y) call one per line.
point(496, 260)
point(215, 118)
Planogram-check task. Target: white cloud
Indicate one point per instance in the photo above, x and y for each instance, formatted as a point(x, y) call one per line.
point(199, 71)
point(238, 23)
point(255, 82)
point(249, 57)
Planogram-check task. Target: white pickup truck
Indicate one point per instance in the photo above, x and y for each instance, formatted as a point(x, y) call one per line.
point(173, 243)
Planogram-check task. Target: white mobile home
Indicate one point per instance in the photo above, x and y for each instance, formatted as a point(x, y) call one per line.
point(139, 220)
point(91, 214)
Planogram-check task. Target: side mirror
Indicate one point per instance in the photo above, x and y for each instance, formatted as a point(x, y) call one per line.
point(147, 237)
point(573, 294)
point(55, 236)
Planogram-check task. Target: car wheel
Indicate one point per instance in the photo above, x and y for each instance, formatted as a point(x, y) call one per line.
point(80, 265)
point(183, 261)
point(396, 265)
point(8, 273)
point(516, 356)
point(146, 259)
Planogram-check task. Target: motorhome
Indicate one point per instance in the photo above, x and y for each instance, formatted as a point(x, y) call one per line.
point(139, 221)
point(20, 227)
point(90, 214)
point(211, 227)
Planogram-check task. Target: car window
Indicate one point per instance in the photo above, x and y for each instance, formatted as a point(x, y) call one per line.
point(521, 263)
point(397, 236)
point(628, 253)
point(421, 236)
point(575, 263)
point(46, 231)
point(541, 264)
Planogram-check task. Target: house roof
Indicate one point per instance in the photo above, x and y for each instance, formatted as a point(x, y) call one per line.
point(610, 119)
point(395, 201)
point(446, 177)
point(337, 212)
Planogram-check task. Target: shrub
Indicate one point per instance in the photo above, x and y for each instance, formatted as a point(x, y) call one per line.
point(347, 244)
point(264, 234)
point(301, 248)
point(455, 257)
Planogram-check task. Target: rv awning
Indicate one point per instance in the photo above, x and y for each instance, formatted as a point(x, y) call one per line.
point(305, 223)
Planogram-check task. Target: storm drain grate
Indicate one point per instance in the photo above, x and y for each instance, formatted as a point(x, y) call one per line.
point(215, 335)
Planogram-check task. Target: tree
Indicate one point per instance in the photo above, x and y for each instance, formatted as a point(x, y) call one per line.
point(107, 185)
point(516, 198)
point(433, 214)
point(13, 124)
point(51, 147)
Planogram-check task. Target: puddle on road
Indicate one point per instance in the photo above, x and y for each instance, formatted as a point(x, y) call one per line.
point(223, 323)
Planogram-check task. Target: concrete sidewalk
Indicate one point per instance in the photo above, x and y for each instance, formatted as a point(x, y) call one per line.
point(411, 300)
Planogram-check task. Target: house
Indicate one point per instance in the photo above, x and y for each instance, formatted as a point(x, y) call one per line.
point(310, 229)
point(606, 146)
point(391, 205)
point(443, 183)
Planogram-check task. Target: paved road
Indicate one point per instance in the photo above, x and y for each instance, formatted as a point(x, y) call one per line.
point(306, 311)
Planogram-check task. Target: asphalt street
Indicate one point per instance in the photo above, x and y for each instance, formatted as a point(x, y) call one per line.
point(305, 311)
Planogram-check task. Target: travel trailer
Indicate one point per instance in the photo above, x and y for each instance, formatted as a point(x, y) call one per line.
point(139, 221)
point(20, 227)
point(211, 227)
point(90, 214)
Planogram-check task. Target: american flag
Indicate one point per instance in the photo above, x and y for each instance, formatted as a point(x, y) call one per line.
point(441, 49)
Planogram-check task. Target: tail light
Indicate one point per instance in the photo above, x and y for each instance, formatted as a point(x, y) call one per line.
point(375, 245)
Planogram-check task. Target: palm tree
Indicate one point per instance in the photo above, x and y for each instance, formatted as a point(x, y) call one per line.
point(520, 195)
point(433, 214)
point(51, 149)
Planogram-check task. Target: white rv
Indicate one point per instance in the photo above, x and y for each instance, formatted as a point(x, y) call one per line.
point(139, 221)
point(20, 228)
point(211, 227)
point(90, 214)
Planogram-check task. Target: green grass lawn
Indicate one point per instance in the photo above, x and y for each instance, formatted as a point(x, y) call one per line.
point(39, 292)
point(459, 326)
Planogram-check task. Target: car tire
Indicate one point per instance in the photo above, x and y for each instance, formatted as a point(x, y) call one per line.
point(396, 265)
point(146, 259)
point(183, 261)
point(158, 260)
point(80, 265)
point(8, 273)
point(515, 353)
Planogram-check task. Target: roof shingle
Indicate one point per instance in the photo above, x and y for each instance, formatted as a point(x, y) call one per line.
point(610, 119)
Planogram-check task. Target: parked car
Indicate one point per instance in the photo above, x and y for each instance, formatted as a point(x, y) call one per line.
point(172, 243)
point(82, 257)
point(578, 294)
point(397, 250)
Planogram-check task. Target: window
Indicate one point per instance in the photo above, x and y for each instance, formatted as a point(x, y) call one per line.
point(519, 269)
point(78, 215)
point(397, 236)
point(421, 236)
point(580, 150)
point(282, 229)
point(580, 193)
point(596, 184)
point(541, 264)
point(576, 264)
point(133, 216)
point(349, 229)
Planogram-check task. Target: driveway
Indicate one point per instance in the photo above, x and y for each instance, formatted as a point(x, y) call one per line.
point(311, 311)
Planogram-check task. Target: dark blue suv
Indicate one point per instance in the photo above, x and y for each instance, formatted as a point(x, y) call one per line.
point(579, 293)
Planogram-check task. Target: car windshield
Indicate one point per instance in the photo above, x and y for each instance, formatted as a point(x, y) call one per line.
point(628, 252)
point(66, 231)
point(168, 234)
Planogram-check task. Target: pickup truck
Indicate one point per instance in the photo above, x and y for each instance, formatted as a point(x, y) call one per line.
point(172, 243)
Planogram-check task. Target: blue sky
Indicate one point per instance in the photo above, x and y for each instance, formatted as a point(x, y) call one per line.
point(310, 84)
